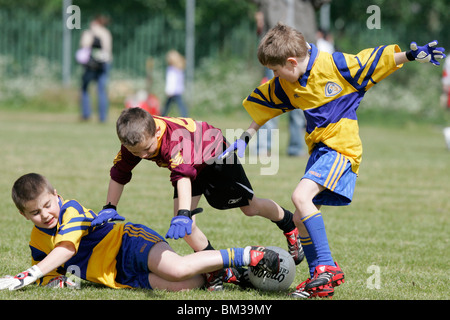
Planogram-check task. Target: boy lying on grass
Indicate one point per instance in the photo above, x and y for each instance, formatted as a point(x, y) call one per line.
point(116, 255)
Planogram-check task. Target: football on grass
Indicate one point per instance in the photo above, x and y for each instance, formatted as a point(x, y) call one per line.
point(267, 281)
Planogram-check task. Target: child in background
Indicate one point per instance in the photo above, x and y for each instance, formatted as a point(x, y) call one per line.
point(175, 83)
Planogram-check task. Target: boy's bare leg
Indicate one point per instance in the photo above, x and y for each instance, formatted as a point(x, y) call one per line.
point(264, 208)
point(325, 274)
point(162, 263)
point(156, 282)
point(303, 197)
point(282, 218)
point(197, 240)
point(167, 266)
point(173, 272)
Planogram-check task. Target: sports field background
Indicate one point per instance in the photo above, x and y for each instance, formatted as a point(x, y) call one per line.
point(397, 223)
point(392, 242)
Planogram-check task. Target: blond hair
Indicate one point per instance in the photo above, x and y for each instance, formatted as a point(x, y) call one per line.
point(174, 58)
point(280, 43)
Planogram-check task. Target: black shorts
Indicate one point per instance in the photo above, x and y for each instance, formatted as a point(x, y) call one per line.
point(224, 186)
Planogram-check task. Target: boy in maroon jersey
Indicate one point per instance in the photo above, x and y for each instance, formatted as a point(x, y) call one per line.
point(189, 149)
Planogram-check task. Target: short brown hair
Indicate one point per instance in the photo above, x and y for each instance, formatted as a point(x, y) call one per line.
point(134, 125)
point(29, 187)
point(280, 43)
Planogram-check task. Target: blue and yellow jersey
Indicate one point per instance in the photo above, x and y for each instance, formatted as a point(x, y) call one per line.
point(96, 248)
point(329, 93)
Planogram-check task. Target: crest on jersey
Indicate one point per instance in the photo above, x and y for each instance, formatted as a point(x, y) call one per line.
point(332, 89)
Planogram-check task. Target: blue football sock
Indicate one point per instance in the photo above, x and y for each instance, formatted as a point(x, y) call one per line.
point(232, 257)
point(310, 254)
point(316, 229)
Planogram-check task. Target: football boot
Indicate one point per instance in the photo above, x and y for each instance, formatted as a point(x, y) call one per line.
point(300, 292)
point(325, 276)
point(294, 246)
point(264, 259)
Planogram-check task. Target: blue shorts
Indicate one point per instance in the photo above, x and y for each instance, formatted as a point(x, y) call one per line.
point(132, 259)
point(333, 171)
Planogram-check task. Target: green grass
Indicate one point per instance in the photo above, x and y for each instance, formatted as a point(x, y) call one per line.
point(398, 220)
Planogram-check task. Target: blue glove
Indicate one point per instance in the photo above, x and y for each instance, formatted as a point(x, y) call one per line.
point(238, 145)
point(426, 53)
point(181, 225)
point(108, 214)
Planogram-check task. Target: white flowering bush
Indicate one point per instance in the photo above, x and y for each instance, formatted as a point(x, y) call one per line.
point(220, 85)
point(42, 75)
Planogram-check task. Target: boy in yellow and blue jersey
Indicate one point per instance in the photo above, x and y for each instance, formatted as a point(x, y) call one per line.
point(329, 89)
point(115, 255)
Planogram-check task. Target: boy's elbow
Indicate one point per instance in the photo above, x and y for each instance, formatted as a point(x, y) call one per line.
point(69, 249)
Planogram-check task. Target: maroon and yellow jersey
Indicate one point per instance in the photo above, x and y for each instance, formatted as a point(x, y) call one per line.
point(185, 147)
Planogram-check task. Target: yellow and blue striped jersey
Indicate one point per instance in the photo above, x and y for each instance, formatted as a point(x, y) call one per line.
point(96, 247)
point(329, 93)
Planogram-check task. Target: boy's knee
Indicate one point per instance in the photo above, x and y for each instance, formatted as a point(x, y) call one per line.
point(178, 272)
point(249, 211)
point(298, 197)
point(297, 218)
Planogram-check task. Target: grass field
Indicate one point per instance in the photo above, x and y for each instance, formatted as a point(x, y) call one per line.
point(395, 234)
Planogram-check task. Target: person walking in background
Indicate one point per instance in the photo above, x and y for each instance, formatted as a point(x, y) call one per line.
point(95, 55)
point(175, 83)
point(325, 41)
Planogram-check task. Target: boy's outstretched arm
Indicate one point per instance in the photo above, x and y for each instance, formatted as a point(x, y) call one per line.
point(181, 224)
point(426, 53)
point(109, 211)
point(241, 143)
point(57, 257)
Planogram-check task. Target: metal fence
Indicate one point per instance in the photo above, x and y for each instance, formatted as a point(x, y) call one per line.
point(26, 36)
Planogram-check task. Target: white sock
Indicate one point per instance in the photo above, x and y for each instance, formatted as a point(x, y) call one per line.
point(246, 255)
